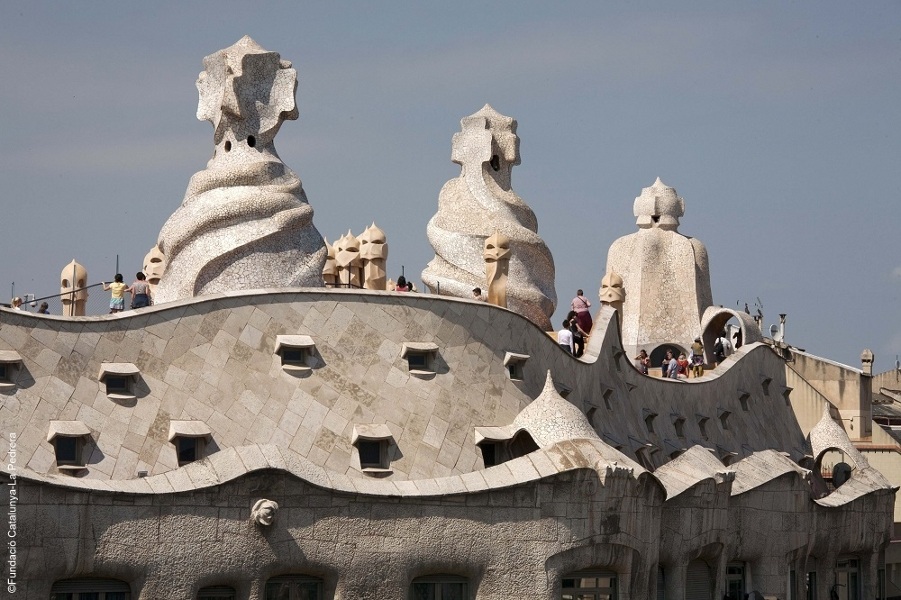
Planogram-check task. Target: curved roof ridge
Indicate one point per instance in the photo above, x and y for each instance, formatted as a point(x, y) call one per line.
point(762, 467)
point(690, 468)
point(860, 484)
point(232, 463)
point(601, 455)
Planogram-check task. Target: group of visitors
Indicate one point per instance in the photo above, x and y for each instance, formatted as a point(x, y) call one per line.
point(16, 304)
point(572, 337)
point(673, 367)
point(576, 326)
point(139, 290)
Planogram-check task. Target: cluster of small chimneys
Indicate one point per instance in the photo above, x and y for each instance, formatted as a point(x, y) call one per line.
point(357, 261)
point(360, 262)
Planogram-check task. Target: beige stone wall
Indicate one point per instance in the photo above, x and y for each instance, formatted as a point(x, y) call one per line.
point(845, 387)
point(888, 462)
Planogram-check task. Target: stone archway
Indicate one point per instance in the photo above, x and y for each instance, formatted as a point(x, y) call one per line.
point(714, 322)
point(659, 352)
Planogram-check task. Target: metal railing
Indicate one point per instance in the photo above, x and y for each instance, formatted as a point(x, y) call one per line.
point(97, 302)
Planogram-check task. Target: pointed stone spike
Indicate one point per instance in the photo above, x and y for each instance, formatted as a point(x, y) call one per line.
point(549, 384)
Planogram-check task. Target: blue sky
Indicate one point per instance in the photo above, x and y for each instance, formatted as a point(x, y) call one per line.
point(777, 122)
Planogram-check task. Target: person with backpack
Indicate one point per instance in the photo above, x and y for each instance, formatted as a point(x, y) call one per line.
point(719, 348)
point(697, 358)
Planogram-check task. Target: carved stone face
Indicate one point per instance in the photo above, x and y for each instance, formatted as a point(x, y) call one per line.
point(347, 251)
point(497, 248)
point(612, 289)
point(264, 512)
point(154, 265)
point(372, 244)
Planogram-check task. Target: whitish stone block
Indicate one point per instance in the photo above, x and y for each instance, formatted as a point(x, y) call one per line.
point(245, 221)
point(665, 275)
point(475, 205)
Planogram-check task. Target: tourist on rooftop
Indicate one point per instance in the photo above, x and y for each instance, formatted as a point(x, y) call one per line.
point(721, 348)
point(667, 365)
point(477, 294)
point(140, 291)
point(643, 362)
point(697, 358)
point(401, 285)
point(44, 309)
point(682, 371)
point(672, 370)
point(580, 304)
point(17, 303)
point(117, 298)
point(579, 334)
point(565, 337)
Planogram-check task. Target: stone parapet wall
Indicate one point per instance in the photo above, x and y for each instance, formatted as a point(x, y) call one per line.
point(213, 360)
point(679, 472)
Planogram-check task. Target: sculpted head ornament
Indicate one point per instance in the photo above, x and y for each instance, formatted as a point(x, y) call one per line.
point(658, 206)
point(486, 134)
point(372, 243)
point(264, 511)
point(154, 265)
point(373, 255)
point(347, 251)
point(497, 247)
point(612, 288)
point(246, 89)
point(347, 260)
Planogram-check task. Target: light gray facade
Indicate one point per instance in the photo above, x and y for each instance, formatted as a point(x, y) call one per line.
point(677, 478)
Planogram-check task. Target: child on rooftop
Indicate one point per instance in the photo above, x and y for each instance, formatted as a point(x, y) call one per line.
point(117, 298)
